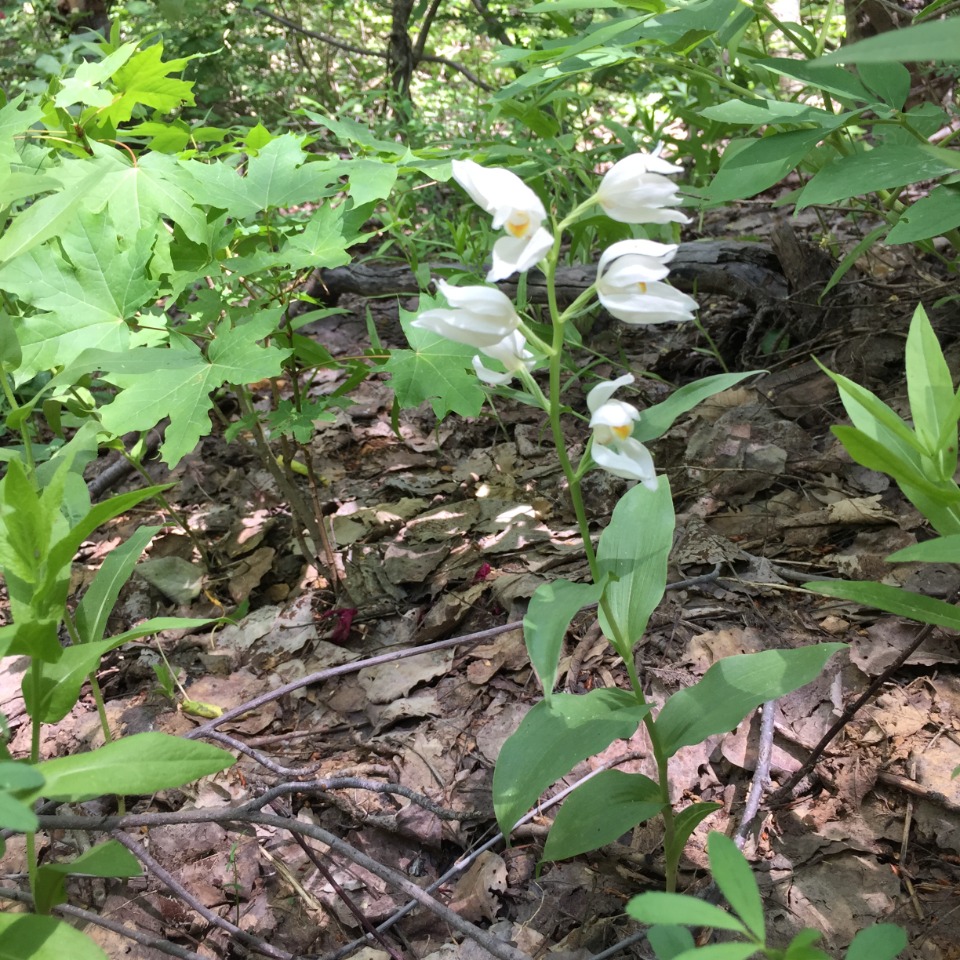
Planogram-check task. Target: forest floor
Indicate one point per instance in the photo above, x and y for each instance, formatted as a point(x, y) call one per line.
point(444, 531)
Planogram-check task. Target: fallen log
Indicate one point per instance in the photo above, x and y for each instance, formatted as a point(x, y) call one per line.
point(747, 272)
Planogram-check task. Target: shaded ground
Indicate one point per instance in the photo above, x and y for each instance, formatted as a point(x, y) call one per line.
point(447, 530)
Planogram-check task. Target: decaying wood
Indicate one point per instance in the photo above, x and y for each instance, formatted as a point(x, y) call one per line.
point(747, 272)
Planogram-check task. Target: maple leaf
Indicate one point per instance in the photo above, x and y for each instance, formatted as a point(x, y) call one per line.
point(176, 382)
point(85, 290)
point(278, 176)
point(145, 78)
point(435, 370)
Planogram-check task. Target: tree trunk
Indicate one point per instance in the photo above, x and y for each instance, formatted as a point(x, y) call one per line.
point(400, 51)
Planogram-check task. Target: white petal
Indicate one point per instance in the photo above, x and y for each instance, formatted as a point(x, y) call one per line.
point(649, 250)
point(658, 303)
point(459, 326)
point(636, 190)
point(638, 164)
point(626, 272)
point(615, 413)
point(604, 390)
point(502, 194)
point(511, 352)
point(630, 460)
point(515, 255)
point(477, 316)
point(488, 301)
point(491, 376)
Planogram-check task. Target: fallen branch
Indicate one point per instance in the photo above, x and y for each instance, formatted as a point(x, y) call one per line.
point(747, 272)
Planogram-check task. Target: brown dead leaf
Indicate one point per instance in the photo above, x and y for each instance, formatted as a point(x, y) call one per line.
point(387, 682)
point(477, 893)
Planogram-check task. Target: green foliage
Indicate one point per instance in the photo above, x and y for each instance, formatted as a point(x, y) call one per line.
point(768, 91)
point(734, 686)
point(434, 369)
point(162, 278)
point(40, 532)
point(108, 859)
point(32, 937)
point(922, 459)
point(669, 912)
point(632, 557)
point(142, 763)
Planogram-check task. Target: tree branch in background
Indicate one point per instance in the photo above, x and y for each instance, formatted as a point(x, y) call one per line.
point(322, 37)
point(366, 51)
point(496, 28)
point(428, 18)
point(400, 50)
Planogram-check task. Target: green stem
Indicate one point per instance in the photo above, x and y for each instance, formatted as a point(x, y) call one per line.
point(620, 643)
point(625, 649)
point(24, 429)
point(554, 407)
point(179, 519)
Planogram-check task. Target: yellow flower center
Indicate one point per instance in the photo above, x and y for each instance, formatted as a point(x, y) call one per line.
point(519, 224)
point(623, 431)
point(642, 287)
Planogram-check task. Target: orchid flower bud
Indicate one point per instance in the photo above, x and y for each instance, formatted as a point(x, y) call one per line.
point(512, 353)
point(636, 190)
point(477, 316)
point(515, 208)
point(614, 449)
point(629, 287)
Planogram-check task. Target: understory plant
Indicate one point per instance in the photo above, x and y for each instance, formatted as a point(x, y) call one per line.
point(45, 514)
point(920, 454)
point(628, 567)
point(670, 914)
point(762, 99)
point(152, 270)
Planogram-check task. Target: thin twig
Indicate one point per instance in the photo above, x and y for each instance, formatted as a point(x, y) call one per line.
point(165, 877)
point(116, 824)
point(465, 862)
point(761, 775)
point(361, 783)
point(356, 665)
point(322, 37)
point(362, 919)
point(366, 51)
point(346, 668)
point(782, 795)
point(260, 757)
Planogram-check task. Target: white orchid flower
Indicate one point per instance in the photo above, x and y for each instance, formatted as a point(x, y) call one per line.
point(515, 208)
point(614, 449)
point(629, 287)
point(512, 353)
point(517, 255)
point(636, 190)
point(477, 316)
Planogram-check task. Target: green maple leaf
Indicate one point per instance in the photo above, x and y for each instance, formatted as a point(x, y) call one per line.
point(50, 216)
point(137, 196)
point(176, 382)
point(321, 243)
point(278, 176)
point(145, 78)
point(85, 292)
point(434, 370)
point(84, 86)
point(14, 121)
